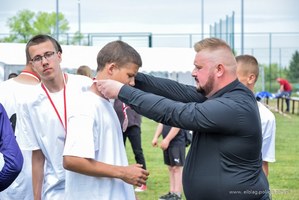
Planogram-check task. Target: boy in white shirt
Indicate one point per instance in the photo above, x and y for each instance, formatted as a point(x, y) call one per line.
point(248, 72)
point(45, 115)
point(94, 153)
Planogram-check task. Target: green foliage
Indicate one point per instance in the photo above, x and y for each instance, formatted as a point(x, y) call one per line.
point(271, 73)
point(20, 27)
point(78, 38)
point(293, 72)
point(27, 24)
point(46, 23)
point(43, 23)
point(274, 71)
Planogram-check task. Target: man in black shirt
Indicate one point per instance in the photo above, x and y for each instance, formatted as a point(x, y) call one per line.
point(224, 160)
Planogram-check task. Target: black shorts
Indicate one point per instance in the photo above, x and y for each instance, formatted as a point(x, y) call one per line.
point(175, 155)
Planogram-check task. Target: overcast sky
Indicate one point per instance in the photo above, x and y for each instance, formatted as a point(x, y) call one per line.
point(162, 16)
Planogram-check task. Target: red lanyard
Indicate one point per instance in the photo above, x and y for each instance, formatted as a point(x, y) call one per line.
point(53, 105)
point(126, 120)
point(124, 106)
point(32, 74)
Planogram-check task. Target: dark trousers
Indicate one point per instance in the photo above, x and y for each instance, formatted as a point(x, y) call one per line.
point(134, 135)
point(287, 95)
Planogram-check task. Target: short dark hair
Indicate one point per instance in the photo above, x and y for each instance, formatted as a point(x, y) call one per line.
point(41, 38)
point(119, 52)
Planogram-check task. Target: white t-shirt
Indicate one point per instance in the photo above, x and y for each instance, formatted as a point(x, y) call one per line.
point(12, 96)
point(268, 133)
point(94, 132)
point(45, 131)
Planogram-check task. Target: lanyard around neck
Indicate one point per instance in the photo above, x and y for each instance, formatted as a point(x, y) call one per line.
point(124, 108)
point(126, 120)
point(31, 74)
point(54, 107)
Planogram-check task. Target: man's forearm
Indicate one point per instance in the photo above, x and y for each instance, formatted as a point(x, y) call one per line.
point(168, 88)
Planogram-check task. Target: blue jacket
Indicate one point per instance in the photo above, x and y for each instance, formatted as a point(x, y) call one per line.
point(13, 158)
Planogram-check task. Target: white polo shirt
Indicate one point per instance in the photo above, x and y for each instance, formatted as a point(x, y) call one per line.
point(94, 132)
point(268, 133)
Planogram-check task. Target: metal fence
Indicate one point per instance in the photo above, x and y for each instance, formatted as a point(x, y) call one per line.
point(268, 48)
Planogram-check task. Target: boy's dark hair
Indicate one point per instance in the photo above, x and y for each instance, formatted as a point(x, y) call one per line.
point(119, 52)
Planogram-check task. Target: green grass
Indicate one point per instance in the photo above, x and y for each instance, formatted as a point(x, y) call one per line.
point(283, 174)
point(158, 182)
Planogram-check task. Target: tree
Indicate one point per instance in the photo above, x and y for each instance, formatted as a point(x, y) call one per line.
point(27, 24)
point(293, 72)
point(20, 27)
point(78, 38)
point(46, 23)
point(271, 75)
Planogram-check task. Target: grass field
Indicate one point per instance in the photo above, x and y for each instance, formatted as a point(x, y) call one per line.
point(283, 174)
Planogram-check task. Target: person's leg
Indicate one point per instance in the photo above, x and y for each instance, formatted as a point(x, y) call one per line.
point(167, 162)
point(134, 135)
point(288, 104)
point(177, 179)
point(177, 160)
point(171, 178)
point(288, 95)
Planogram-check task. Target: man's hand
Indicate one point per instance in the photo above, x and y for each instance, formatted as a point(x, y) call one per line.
point(109, 88)
point(135, 175)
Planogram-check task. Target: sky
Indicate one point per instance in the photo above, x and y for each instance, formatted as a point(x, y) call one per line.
point(162, 16)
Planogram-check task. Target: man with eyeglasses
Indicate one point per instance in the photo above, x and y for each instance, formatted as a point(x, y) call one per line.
point(45, 115)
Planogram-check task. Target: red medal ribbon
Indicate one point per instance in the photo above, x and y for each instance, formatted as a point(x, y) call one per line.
point(30, 74)
point(53, 105)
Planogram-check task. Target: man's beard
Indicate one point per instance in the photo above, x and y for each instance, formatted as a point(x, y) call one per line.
point(208, 87)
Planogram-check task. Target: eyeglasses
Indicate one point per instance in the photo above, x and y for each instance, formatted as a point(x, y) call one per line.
point(38, 59)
